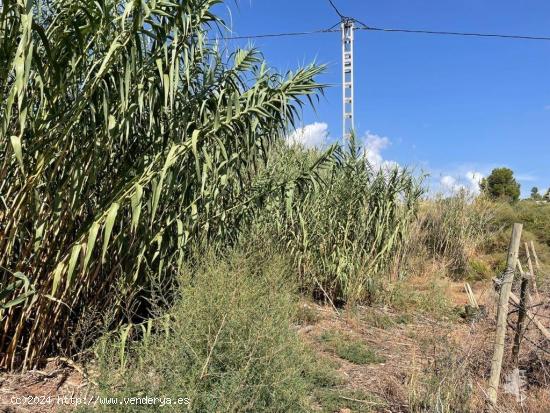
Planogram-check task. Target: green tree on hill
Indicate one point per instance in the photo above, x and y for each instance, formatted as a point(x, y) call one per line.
point(501, 184)
point(546, 196)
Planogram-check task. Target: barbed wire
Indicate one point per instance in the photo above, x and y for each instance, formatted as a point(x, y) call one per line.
point(526, 338)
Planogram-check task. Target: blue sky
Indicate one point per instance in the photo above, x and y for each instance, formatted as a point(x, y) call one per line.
point(455, 107)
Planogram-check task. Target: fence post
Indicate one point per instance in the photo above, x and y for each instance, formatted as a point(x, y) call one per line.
point(522, 311)
point(532, 272)
point(502, 313)
point(537, 263)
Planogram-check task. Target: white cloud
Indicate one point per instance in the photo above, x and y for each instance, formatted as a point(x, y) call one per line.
point(451, 184)
point(310, 136)
point(374, 145)
point(448, 181)
point(467, 182)
point(316, 135)
point(474, 179)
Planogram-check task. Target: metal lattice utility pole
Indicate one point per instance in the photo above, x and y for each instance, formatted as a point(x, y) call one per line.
point(347, 77)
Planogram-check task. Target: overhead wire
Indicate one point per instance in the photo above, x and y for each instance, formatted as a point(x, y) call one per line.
point(452, 33)
point(287, 34)
point(336, 9)
point(391, 30)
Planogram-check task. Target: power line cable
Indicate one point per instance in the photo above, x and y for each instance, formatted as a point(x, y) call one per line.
point(449, 33)
point(336, 9)
point(379, 29)
point(287, 34)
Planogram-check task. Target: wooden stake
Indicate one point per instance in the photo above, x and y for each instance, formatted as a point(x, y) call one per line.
point(502, 313)
point(532, 317)
point(521, 319)
point(471, 296)
point(537, 263)
point(532, 272)
point(529, 298)
point(520, 268)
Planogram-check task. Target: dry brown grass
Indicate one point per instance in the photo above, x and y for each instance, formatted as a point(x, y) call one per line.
point(431, 364)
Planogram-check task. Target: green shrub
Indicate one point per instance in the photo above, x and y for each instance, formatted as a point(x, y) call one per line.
point(229, 345)
point(479, 269)
point(306, 314)
point(535, 218)
point(321, 372)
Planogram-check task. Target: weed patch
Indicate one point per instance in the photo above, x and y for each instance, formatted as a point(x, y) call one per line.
point(443, 387)
point(229, 345)
point(337, 400)
point(349, 348)
point(306, 314)
point(425, 296)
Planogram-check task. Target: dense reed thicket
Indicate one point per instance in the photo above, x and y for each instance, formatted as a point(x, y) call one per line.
point(352, 232)
point(452, 229)
point(130, 138)
point(126, 136)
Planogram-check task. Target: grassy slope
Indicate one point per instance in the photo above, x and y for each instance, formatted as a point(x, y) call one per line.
point(535, 218)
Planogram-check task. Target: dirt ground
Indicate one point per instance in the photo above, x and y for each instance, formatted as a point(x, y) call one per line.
point(425, 358)
point(54, 388)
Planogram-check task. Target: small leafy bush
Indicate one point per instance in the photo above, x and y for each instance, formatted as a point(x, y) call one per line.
point(321, 372)
point(535, 218)
point(478, 269)
point(306, 314)
point(229, 345)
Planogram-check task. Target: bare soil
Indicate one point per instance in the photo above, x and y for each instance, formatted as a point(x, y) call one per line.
point(42, 391)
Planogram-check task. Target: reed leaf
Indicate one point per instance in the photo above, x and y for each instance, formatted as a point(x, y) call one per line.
point(124, 124)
